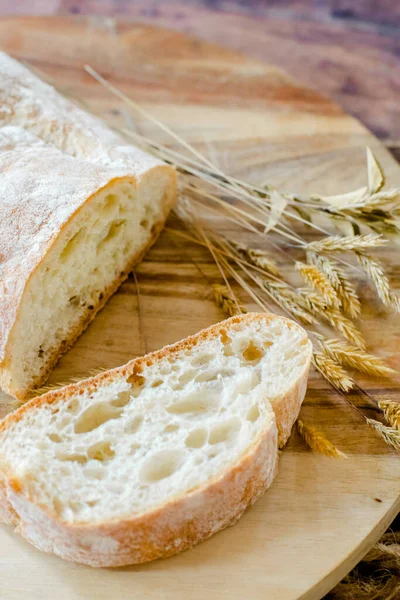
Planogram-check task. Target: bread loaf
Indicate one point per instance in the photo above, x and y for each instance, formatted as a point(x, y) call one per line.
point(153, 457)
point(78, 209)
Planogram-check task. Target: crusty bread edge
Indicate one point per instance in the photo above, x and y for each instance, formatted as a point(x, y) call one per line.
point(172, 527)
point(89, 314)
point(175, 526)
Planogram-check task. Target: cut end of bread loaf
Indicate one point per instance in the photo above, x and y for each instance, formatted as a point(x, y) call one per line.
point(151, 458)
point(88, 260)
point(79, 207)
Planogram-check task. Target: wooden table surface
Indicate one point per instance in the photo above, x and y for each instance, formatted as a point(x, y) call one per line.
point(346, 49)
point(267, 127)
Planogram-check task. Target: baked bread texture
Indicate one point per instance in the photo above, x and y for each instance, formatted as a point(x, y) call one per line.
point(78, 209)
point(148, 459)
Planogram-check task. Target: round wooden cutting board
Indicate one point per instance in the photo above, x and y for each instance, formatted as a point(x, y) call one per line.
point(320, 516)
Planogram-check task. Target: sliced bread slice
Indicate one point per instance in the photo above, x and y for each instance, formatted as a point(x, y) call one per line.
point(151, 458)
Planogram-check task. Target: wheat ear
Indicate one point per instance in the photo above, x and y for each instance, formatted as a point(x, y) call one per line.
point(332, 371)
point(318, 281)
point(317, 441)
point(344, 289)
point(391, 410)
point(354, 358)
point(376, 274)
point(389, 434)
point(351, 243)
point(225, 301)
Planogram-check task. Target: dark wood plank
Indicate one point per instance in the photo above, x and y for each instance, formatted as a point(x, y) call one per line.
point(375, 11)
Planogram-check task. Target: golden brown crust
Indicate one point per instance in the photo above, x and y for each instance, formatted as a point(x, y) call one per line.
point(171, 528)
point(135, 365)
point(176, 525)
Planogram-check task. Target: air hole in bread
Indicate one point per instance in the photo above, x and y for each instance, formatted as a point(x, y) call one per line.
point(213, 375)
point(195, 404)
point(196, 438)
point(95, 416)
point(72, 245)
point(135, 379)
point(115, 229)
point(227, 351)
point(171, 428)
point(134, 424)
point(252, 353)
point(110, 205)
point(144, 223)
point(202, 359)
point(253, 413)
point(225, 339)
point(92, 503)
point(75, 301)
point(57, 505)
point(225, 432)
point(94, 471)
point(133, 447)
point(157, 383)
point(80, 458)
point(213, 453)
point(73, 405)
point(101, 451)
point(268, 344)
point(75, 506)
point(186, 377)
point(209, 375)
point(122, 399)
point(54, 437)
point(161, 465)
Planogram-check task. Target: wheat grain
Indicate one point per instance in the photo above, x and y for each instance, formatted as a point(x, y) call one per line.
point(225, 301)
point(337, 243)
point(376, 274)
point(317, 441)
point(354, 358)
point(332, 371)
point(391, 410)
point(389, 434)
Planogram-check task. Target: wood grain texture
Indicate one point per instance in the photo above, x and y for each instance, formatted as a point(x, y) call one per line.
point(353, 60)
point(377, 11)
point(320, 516)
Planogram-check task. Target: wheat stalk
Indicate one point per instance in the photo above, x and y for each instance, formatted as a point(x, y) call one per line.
point(391, 410)
point(332, 371)
point(391, 435)
point(225, 301)
point(317, 441)
point(354, 358)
